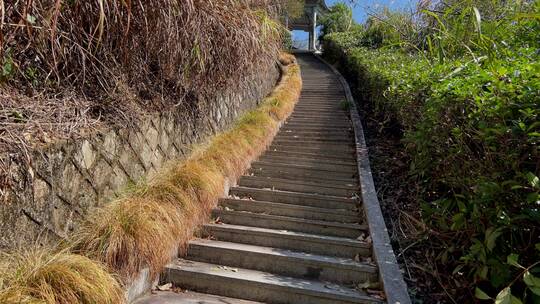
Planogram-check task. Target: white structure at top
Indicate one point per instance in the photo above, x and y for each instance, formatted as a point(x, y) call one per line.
point(308, 21)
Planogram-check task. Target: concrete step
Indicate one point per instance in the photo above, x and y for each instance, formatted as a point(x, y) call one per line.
point(290, 223)
point(319, 122)
point(343, 190)
point(327, 146)
point(318, 126)
point(307, 155)
point(333, 112)
point(296, 182)
point(282, 261)
point(298, 241)
point(320, 179)
point(321, 139)
point(319, 110)
point(325, 124)
point(343, 170)
point(288, 147)
point(287, 197)
point(345, 174)
point(294, 175)
point(309, 160)
point(307, 133)
point(258, 286)
point(321, 129)
point(188, 297)
point(290, 210)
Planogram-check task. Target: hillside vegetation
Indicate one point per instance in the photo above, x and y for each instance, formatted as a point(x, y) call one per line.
point(68, 66)
point(459, 83)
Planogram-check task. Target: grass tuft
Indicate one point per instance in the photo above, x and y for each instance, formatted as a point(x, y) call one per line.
point(47, 276)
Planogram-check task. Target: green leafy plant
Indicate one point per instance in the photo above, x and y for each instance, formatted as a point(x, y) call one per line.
point(461, 84)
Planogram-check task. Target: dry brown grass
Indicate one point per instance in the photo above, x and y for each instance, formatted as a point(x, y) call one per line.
point(181, 45)
point(46, 276)
point(72, 66)
point(145, 228)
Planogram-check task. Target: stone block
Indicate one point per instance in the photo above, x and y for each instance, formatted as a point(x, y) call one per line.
point(86, 155)
point(62, 218)
point(101, 174)
point(130, 164)
point(42, 191)
point(70, 182)
point(110, 145)
point(152, 137)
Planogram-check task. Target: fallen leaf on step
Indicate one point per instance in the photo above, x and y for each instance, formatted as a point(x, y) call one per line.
point(228, 209)
point(376, 294)
point(164, 287)
point(228, 268)
point(368, 285)
point(332, 287)
point(357, 258)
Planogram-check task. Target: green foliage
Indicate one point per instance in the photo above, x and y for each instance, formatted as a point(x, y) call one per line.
point(466, 96)
point(287, 42)
point(388, 28)
point(295, 8)
point(339, 19)
point(7, 65)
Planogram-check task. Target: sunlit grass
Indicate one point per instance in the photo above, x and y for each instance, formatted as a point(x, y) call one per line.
point(48, 276)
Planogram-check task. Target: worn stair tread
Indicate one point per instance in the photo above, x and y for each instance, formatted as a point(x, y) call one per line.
point(315, 128)
point(315, 140)
point(297, 198)
point(282, 261)
point(295, 235)
point(352, 201)
point(301, 257)
point(360, 227)
point(312, 150)
point(277, 180)
point(191, 270)
point(342, 173)
point(298, 186)
point(308, 159)
point(188, 297)
point(314, 156)
point(292, 210)
point(343, 146)
point(287, 173)
point(332, 168)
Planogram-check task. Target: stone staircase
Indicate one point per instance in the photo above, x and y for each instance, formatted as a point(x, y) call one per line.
point(292, 230)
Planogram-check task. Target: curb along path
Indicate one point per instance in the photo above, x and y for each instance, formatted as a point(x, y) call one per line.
point(294, 230)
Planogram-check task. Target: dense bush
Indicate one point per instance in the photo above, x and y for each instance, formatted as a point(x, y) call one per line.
point(469, 114)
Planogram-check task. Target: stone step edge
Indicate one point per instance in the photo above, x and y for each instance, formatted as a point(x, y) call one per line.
point(296, 256)
point(194, 270)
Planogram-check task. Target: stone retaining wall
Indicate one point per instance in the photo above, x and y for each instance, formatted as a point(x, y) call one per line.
point(63, 182)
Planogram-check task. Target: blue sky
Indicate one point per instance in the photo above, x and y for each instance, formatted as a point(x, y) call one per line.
point(362, 8)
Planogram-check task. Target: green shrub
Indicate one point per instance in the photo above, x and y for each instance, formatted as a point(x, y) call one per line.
point(471, 129)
